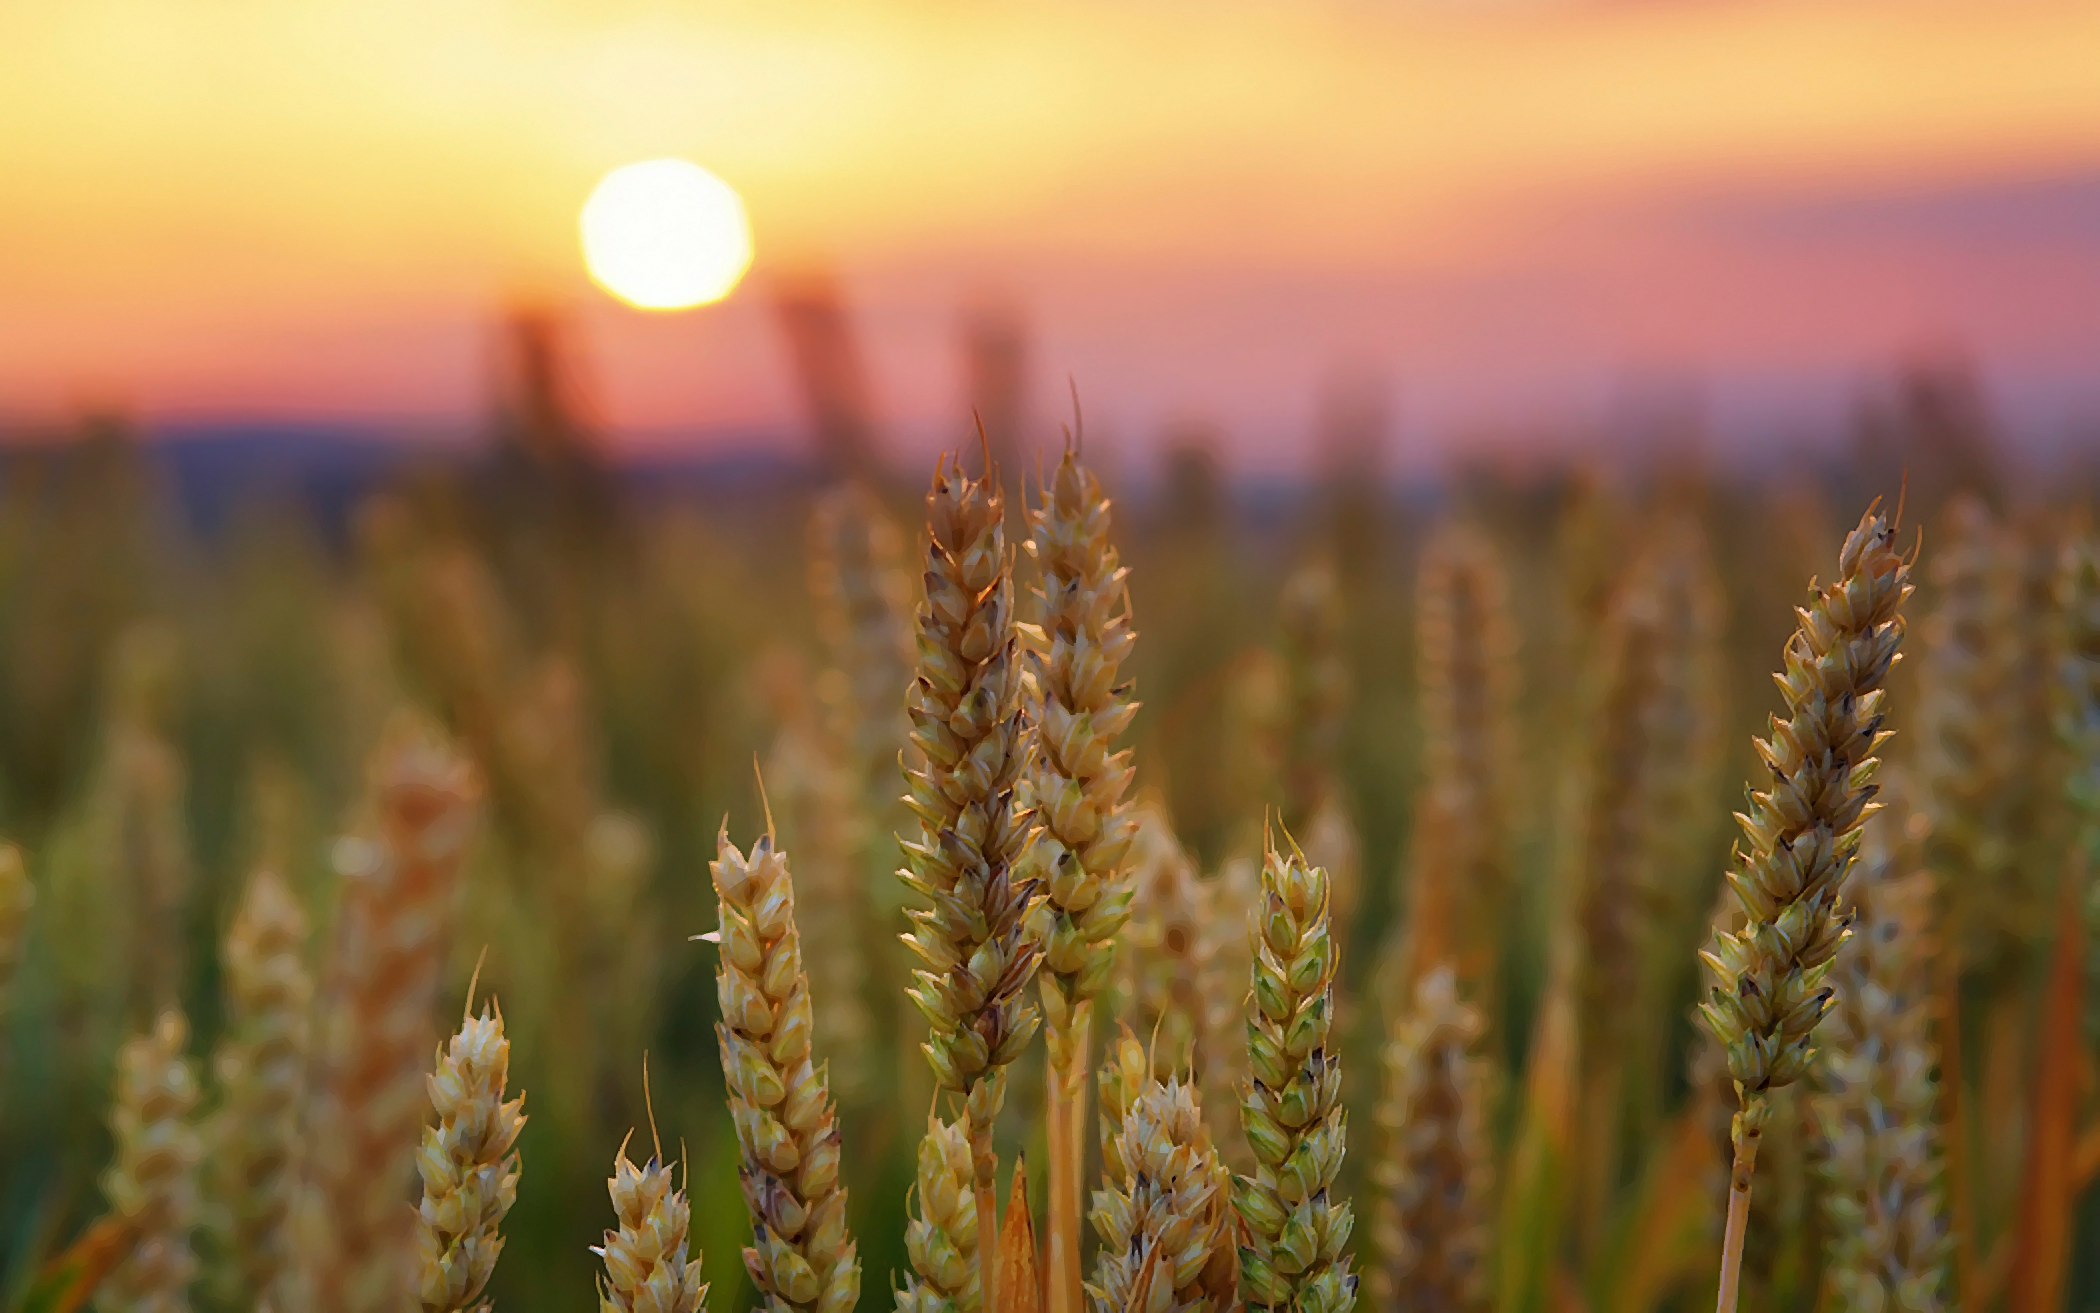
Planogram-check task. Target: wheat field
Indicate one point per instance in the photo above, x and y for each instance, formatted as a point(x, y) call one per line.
point(1027, 886)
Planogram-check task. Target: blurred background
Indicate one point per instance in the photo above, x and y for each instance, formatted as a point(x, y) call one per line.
point(309, 406)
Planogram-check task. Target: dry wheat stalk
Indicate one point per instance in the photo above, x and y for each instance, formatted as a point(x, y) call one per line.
point(1294, 1228)
point(1164, 1193)
point(1435, 1172)
point(646, 1267)
point(801, 1256)
point(1458, 869)
point(1801, 836)
point(400, 887)
point(942, 1237)
point(1968, 762)
point(153, 1181)
point(1084, 826)
point(1168, 961)
point(262, 1069)
point(974, 939)
point(469, 1166)
point(1878, 1108)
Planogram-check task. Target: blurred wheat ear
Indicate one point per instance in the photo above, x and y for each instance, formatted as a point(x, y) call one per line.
point(17, 900)
point(152, 1185)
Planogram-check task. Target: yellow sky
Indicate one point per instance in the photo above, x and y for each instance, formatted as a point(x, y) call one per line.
point(228, 162)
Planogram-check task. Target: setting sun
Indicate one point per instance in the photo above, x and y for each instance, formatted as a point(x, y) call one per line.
point(665, 235)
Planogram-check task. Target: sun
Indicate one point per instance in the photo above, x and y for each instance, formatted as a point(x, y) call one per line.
point(665, 235)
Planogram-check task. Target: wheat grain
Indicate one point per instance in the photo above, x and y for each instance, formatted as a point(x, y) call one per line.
point(469, 1166)
point(646, 1266)
point(152, 1183)
point(1801, 836)
point(1294, 1228)
point(262, 1070)
point(400, 887)
point(801, 1256)
point(1084, 827)
point(1165, 1196)
point(1435, 1172)
point(1889, 1243)
point(978, 952)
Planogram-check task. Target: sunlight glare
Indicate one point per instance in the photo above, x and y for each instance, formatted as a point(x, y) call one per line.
point(665, 235)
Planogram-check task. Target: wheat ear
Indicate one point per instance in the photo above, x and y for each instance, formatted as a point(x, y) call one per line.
point(400, 887)
point(1169, 959)
point(942, 1238)
point(262, 1069)
point(978, 950)
point(469, 1165)
point(1311, 618)
point(1165, 1197)
point(1458, 865)
point(1435, 1173)
point(862, 597)
point(152, 1183)
point(17, 898)
point(1800, 838)
point(646, 1268)
point(1084, 826)
point(801, 1257)
point(1294, 1228)
point(1883, 1195)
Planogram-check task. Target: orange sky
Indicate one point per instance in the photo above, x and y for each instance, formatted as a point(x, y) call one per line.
point(311, 207)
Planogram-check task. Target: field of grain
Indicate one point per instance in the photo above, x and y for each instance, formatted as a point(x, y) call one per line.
point(1034, 886)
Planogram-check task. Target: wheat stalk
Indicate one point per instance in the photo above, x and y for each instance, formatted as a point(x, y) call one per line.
point(1435, 1172)
point(801, 1256)
point(942, 1238)
point(978, 951)
point(1878, 1107)
point(1312, 618)
point(152, 1184)
point(17, 899)
point(399, 891)
point(1294, 1229)
point(1165, 1197)
point(262, 1070)
point(1458, 866)
point(1801, 836)
point(468, 1164)
point(646, 1267)
point(1084, 827)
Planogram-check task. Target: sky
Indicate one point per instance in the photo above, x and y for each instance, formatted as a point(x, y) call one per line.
point(1509, 214)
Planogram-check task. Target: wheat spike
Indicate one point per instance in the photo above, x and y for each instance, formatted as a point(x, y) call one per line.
point(1084, 826)
point(400, 887)
point(1458, 867)
point(152, 1184)
point(1888, 1243)
point(1294, 1228)
point(1968, 697)
point(942, 1238)
point(1800, 838)
point(801, 1256)
point(818, 798)
point(978, 951)
point(1169, 959)
point(2078, 675)
point(1435, 1173)
point(1227, 952)
point(1311, 619)
point(469, 1165)
point(262, 1070)
point(646, 1267)
point(862, 595)
point(1164, 1193)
